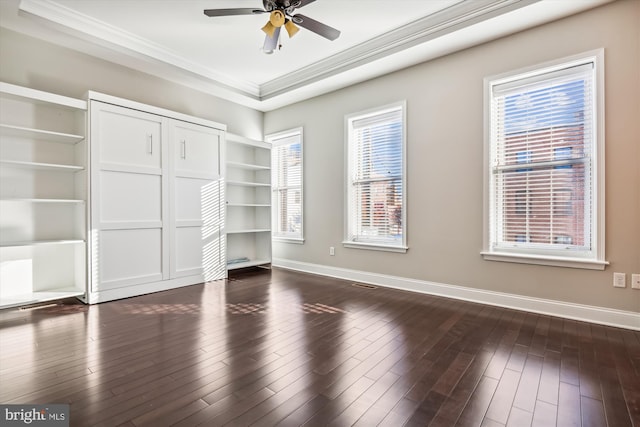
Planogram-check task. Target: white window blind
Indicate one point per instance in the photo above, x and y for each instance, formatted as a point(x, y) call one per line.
point(375, 195)
point(542, 158)
point(286, 184)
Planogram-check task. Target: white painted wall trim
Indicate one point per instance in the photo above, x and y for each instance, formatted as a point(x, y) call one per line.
point(586, 313)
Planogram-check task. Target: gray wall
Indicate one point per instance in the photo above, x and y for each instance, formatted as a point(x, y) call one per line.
point(445, 166)
point(30, 62)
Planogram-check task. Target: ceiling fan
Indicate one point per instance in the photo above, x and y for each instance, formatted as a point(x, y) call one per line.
point(281, 13)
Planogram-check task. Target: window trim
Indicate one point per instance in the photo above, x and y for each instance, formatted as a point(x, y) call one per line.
point(274, 236)
point(597, 260)
point(376, 246)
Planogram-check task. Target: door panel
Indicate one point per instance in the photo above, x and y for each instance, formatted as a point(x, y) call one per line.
point(199, 250)
point(188, 245)
point(197, 199)
point(189, 198)
point(129, 137)
point(129, 257)
point(196, 149)
point(130, 197)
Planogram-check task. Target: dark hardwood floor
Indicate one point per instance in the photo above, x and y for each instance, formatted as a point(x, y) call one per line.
point(282, 348)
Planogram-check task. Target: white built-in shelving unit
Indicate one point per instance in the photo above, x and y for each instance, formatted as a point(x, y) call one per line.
point(43, 194)
point(248, 218)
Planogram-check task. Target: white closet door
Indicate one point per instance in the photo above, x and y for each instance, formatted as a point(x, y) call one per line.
point(129, 207)
point(197, 202)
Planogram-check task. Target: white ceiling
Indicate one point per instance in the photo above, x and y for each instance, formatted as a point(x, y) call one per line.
point(221, 55)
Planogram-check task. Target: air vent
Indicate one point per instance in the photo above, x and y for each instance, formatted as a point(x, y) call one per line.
point(362, 285)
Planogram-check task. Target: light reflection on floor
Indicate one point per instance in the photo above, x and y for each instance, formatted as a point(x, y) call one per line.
point(306, 308)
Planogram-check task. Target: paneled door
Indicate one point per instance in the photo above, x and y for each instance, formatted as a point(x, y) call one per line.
point(197, 211)
point(129, 209)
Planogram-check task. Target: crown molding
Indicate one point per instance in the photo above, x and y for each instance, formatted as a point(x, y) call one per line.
point(460, 15)
point(96, 31)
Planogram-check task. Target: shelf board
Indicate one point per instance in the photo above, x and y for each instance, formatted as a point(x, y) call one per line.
point(41, 166)
point(248, 184)
point(249, 230)
point(9, 90)
point(250, 263)
point(39, 296)
point(40, 134)
point(40, 243)
point(231, 137)
point(248, 166)
point(71, 201)
point(249, 205)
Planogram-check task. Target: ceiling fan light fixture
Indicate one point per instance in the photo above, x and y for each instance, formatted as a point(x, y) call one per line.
point(277, 18)
point(269, 29)
point(291, 28)
point(271, 41)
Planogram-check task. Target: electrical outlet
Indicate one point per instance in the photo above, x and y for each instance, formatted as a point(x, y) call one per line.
point(635, 281)
point(619, 280)
point(332, 250)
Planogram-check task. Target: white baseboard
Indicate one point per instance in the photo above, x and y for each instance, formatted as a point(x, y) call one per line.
point(587, 313)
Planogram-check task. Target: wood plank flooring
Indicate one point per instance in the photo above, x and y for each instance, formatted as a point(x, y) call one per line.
point(269, 348)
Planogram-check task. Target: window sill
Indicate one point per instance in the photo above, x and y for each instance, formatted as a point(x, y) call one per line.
point(294, 240)
point(554, 261)
point(375, 247)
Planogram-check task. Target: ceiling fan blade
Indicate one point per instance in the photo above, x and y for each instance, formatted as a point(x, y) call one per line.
point(303, 3)
point(229, 12)
point(271, 42)
point(317, 27)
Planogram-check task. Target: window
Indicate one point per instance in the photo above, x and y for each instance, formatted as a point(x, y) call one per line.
point(551, 211)
point(375, 196)
point(286, 184)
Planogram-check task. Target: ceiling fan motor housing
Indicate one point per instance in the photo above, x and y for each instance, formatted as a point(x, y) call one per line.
point(269, 5)
point(287, 6)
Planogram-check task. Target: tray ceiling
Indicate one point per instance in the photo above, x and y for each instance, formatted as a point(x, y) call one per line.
point(173, 39)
